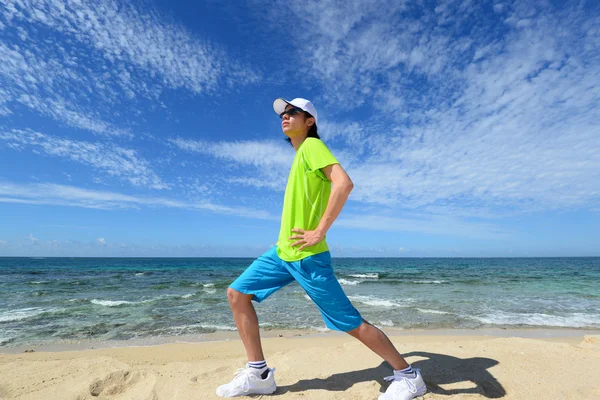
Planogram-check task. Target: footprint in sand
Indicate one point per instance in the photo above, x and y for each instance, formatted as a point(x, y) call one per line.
point(136, 385)
point(210, 373)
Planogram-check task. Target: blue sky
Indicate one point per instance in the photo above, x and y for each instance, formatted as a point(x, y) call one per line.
point(146, 129)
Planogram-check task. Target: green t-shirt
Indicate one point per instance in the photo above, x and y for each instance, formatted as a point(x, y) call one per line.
point(306, 197)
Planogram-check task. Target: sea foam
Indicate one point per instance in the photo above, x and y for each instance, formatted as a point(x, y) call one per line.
point(349, 282)
point(575, 320)
point(374, 301)
point(111, 303)
point(366, 276)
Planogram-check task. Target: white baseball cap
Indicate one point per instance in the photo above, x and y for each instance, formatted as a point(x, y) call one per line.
point(280, 104)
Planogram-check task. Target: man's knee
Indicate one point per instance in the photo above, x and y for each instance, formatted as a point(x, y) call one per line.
point(236, 298)
point(359, 329)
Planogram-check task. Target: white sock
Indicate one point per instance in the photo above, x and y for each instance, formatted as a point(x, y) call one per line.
point(259, 365)
point(406, 371)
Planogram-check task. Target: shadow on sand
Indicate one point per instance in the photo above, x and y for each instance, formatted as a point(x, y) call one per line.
point(438, 369)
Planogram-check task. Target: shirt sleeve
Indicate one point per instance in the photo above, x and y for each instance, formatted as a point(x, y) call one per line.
point(317, 155)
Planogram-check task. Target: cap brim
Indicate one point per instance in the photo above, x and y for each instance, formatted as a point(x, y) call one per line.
point(280, 104)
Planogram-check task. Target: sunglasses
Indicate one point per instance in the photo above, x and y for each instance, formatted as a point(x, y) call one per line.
point(291, 112)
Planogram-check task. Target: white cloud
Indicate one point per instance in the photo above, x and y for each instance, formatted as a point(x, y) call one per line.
point(487, 118)
point(465, 120)
point(91, 248)
point(522, 132)
point(122, 33)
point(356, 48)
point(428, 224)
point(198, 187)
point(32, 239)
point(266, 164)
point(261, 154)
point(42, 84)
point(70, 196)
point(110, 159)
point(270, 161)
point(4, 111)
point(100, 56)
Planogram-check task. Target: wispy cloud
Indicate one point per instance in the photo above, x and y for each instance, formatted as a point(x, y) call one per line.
point(35, 76)
point(445, 112)
point(426, 224)
point(269, 161)
point(70, 196)
point(500, 114)
point(33, 239)
point(113, 160)
point(100, 55)
point(259, 154)
point(96, 248)
point(4, 110)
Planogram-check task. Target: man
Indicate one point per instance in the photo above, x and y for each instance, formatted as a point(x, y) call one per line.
point(309, 208)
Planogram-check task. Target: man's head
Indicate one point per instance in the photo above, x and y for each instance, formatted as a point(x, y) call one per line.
point(298, 118)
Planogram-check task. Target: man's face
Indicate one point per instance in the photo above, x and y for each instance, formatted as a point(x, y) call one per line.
point(295, 124)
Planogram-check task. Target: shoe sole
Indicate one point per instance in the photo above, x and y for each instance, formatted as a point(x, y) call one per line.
point(268, 390)
point(418, 394)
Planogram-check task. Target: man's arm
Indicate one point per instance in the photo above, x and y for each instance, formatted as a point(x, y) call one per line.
point(342, 186)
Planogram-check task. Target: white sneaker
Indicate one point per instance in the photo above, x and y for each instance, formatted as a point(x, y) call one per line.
point(404, 387)
point(248, 381)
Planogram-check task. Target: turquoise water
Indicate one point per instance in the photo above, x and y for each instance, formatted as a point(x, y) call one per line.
point(47, 300)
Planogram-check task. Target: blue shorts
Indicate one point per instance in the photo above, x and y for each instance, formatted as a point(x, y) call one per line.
point(269, 273)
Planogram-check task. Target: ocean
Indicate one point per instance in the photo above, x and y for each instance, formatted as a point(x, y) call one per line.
point(65, 300)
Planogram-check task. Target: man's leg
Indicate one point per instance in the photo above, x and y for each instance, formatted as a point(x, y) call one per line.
point(407, 383)
point(377, 341)
point(246, 322)
point(254, 379)
point(316, 276)
point(261, 279)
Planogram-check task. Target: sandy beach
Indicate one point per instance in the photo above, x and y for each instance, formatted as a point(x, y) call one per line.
point(481, 365)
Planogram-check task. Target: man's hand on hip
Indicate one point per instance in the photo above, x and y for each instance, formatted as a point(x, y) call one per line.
point(306, 238)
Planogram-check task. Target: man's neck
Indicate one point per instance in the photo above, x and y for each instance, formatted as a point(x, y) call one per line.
point(296, 142)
